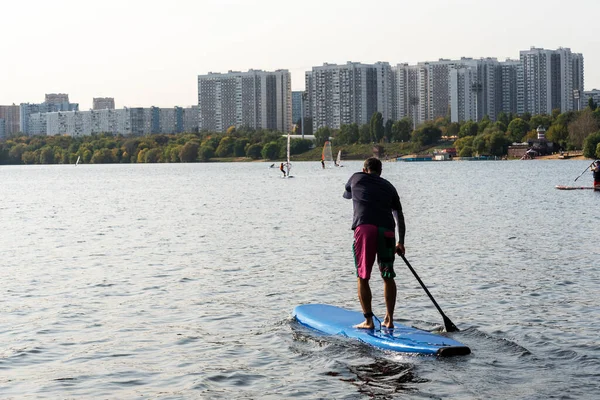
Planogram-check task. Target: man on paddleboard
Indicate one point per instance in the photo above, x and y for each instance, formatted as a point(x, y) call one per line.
point(377, 211)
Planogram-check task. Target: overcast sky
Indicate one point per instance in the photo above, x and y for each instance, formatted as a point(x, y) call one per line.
point(150, 52)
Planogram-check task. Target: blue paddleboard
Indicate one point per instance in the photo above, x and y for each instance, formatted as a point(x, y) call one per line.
point(338, 321)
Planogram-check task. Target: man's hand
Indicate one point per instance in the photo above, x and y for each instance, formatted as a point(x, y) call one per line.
point(400, 249)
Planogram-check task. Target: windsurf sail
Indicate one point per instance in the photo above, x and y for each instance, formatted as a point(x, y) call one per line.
point(338, 162)
point(288, 165)
point(327, 156)
point(78, 159)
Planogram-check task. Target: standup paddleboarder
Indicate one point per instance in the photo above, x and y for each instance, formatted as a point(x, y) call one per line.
point(596, 170)
point(377, 210)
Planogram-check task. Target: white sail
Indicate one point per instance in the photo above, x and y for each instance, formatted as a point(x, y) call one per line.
point(339, 159)
point(288, 166)
point(78, 159)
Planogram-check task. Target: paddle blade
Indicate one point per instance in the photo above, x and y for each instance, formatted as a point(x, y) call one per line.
point(450, 327)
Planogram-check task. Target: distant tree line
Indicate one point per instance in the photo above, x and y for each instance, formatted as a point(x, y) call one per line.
point(569, 130)
point(186, 147)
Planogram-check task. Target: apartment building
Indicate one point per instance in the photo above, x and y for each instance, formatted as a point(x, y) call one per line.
point(350, 93)
point(11, 117)
point(549, 79)
point(257, 99)
point(103, 103)
point(127, 121)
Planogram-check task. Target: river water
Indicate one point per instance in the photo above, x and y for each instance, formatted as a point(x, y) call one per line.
point(177, 281)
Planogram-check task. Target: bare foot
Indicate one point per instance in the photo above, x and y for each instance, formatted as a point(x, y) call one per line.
point(365, 325)
point(388, 323)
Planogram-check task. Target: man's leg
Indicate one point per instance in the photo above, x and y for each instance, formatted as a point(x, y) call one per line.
point(389, 293)
point(365, 297)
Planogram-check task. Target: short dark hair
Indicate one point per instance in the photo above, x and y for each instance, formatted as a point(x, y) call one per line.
point(373, 164)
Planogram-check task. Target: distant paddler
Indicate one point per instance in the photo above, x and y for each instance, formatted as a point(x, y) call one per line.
point(596, 171)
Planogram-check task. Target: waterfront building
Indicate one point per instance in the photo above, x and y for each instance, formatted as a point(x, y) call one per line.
point(297, 106)
point(350, 93)
point(411, 92)
point(137, 121)
point(2, 128)
point(549, 79)
point(256, 99)
point(27, 109)
point(11, 116)
point(102, 103)
point(585, 98)
point(509, 84)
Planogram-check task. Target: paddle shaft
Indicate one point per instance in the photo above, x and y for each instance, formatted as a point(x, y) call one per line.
point(584, 171)
point(450, 327)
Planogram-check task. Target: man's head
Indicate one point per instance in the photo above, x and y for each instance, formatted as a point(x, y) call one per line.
point(373, 166)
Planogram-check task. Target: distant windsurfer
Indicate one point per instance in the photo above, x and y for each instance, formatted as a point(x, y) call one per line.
point(377, 210)
point(323, 163)
point(596, 171)
point(282, 169)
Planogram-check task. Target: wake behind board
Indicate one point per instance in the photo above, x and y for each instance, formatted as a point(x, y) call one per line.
point(561, 187)
point(338, 321)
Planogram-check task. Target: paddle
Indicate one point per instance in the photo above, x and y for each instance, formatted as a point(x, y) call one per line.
point(584, 171)
point(450, 327)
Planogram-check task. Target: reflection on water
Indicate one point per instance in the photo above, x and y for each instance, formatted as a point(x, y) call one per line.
point(178, 281)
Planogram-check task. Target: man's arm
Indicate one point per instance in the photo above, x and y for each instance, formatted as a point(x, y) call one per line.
point(348, 192)
point(401, 226)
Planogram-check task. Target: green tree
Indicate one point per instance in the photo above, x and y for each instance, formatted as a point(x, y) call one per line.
point(590, 144)
point(453, 129)
point(592, 104)
point(377, 128)
point(322, 135)
point(205, 153)
point(498, 144)
point(598, 151)
point(225, 147)
point(426, 134)
point(152, 155)
point(46, 155)
point(387, 131)
point(254, 151)
point(189, 151)
point(270, 151)
point(103, 156)
point(559, 134)
point(466, 151)
point(461, 143)
point(239, 147)
point(348, 134)
point(401, 130)
point(469, 128)
point(484, 123)
point(364, 134)
point(517, 129)
point(584, 125)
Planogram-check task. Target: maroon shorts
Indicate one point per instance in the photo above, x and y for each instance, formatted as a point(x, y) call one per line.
point(371, 241)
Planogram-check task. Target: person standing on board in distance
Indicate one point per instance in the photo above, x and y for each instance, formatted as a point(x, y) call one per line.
point(323, 163)
point(596, 170)
point(282, 170)
point(377, 210)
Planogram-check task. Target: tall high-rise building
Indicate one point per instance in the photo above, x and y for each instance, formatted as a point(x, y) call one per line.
point(549, 79)
point(2, 128)
point(509, 86)
point(297, 106)
point(350, 93)
point(257, 99)
point(103, 103)
point(411, 92)
point(11, 117)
